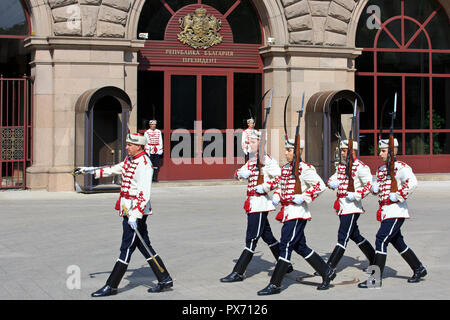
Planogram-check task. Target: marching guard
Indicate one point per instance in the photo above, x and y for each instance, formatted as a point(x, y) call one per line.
point(257, 206)
point(393, 210)
point(348, 204)
point(134, 207)
point(154, 147)
point(294, 215)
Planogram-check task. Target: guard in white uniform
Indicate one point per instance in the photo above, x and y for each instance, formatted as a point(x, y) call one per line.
point(257, 207)
point(348, 205)
point(392, 213)
point(294, 215)
point(245, 141)
point(136, 171)
point(154, 147)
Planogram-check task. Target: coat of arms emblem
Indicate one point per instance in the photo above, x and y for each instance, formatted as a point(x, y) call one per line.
point(200, 29)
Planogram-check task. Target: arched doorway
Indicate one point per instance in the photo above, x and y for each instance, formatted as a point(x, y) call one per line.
point(406, 49)
point(16, 91)
point(101, 124)
point(328, 115)
point(199, 74)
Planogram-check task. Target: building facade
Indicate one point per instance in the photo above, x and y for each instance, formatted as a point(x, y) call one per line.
point(93, 69)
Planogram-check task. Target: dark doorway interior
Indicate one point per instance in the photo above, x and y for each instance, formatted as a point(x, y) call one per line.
point(107, 135)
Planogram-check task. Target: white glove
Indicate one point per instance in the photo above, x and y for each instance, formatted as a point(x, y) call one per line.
point(276, 199)
point(350, 196)
point(334, 184)
point(260, 189)
point(297, 199)
point(244, 174)
point(132, 222)
point(375, 187)
point(393, 197)
point(160, 152)
point(84, 170)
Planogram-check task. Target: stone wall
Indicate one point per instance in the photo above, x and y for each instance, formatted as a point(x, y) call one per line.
point(90, 18)
point(309, 22)
point(318, 22)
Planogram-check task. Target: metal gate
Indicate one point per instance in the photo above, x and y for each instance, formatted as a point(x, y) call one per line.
point(16, 96)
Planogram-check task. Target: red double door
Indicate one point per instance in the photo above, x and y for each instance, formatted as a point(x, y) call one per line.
point(201, 132)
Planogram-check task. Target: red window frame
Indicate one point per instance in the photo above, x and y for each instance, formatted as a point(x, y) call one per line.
point(422, 163)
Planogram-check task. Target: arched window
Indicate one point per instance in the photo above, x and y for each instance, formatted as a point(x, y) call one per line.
point(240, 14)
point(406, 49)
point(14, 27)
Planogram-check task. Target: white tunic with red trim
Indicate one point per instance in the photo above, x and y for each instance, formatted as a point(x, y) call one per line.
point(260, 202)
point(136, 187)
point(312, 185)
point(245, 141)
point(406, 183)
point(155, 141)
point(362, 181)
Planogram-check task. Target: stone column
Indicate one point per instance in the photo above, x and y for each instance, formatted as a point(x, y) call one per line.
point(43, 115)
point(292, 69)
point(65, 68)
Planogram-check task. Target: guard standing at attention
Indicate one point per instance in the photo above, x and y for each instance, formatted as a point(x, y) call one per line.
point(154, 147)
point(245, 141)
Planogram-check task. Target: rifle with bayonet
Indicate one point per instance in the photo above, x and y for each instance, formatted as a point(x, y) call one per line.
point(262, 141)
point(391, 155)
point(349, 162)
point(297, 156)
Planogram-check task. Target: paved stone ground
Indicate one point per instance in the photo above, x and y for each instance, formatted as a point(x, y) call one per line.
point(199, 232)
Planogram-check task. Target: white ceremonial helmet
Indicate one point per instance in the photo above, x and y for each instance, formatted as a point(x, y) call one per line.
point(384, 143)
point(344, 145)
point(136, 138)
point(152, 122)
point(250, 120)
point(290, 143)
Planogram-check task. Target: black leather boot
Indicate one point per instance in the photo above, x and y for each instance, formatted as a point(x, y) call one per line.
point(417, 267)
point(367, 250)
point(276, 253)
point(110, 288)
point(380, 261)
point(241, 265)
point(335, 256)
point(155, 175)
point(274, 286)
point(164, 279)
point(324, 270)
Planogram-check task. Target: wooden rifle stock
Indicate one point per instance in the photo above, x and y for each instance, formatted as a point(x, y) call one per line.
point(295, 166)
point(260, 173)
point(349, 169)
point(394, 186)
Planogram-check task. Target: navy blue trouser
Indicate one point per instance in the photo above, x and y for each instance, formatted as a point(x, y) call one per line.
point(293, 238)
point(258, 227)
point(130, 240)
point(154, 158)
point(348, 229)
point(389, 232)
